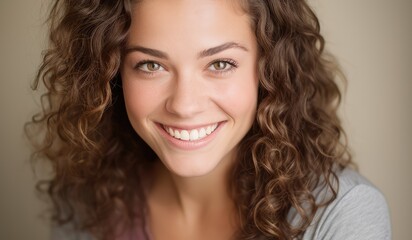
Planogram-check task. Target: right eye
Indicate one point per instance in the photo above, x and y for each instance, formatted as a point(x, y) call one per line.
point(149, 66)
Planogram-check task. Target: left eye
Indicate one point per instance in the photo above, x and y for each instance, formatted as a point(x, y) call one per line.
point(221, 65)
point(148, 66)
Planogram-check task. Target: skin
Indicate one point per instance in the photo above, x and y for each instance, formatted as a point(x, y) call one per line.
point(190, 64)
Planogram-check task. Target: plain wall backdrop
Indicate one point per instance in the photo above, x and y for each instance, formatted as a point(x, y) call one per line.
point(370, 38)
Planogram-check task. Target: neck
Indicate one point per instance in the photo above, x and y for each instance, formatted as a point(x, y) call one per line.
point(195, 198)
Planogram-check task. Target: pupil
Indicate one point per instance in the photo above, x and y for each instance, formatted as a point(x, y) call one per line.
point(220, 65)
point(152, 66)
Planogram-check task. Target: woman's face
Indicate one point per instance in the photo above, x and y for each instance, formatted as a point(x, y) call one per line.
point(190, 81)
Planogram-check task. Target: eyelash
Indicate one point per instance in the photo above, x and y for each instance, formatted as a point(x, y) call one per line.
point(143, 62)
point(232, 66)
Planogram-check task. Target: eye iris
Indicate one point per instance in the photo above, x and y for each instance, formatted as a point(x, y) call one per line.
point(219, 65)
point(153, 66)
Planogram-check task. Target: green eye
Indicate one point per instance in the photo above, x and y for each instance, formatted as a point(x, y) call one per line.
point(149, 66)
point(220, 65)
point(153, 66)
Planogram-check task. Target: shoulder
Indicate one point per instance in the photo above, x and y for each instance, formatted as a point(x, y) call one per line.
point(359, 212)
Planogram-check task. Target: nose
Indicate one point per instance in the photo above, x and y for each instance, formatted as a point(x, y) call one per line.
point(187, 98)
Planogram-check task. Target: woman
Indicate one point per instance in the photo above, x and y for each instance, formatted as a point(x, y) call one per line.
point(179, 119)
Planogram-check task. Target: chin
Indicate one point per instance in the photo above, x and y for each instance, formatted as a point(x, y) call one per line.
point(191, 167)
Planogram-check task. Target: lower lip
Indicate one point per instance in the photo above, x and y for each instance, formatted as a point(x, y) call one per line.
point(190, 145)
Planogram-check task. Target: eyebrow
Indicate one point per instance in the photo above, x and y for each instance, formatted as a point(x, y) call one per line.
point(220, 48)
point(202, 54)
point(149, 51)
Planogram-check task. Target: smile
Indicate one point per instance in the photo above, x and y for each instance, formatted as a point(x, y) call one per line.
point(190, 134)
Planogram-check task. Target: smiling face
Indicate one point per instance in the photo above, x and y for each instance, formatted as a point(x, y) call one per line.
point(190, 81)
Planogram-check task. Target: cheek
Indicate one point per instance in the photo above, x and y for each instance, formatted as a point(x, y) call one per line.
point(240, 97)
point(139, 99)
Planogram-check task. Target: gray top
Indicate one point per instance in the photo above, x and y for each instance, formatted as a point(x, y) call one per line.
point(359, 212)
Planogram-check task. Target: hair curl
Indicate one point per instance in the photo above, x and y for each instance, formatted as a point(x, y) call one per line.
point(293, 146)
point(297, 140)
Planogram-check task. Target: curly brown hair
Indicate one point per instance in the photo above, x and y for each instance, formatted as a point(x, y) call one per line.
point(294, 145)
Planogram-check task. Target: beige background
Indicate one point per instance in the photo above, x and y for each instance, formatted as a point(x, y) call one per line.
point(371, 39)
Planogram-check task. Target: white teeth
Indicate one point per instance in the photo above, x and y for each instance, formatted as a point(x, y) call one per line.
point(202, 133)
point(177, 134)
point(184, 135)
point(171, 131)
point(194, 135)
point(208, 130)
point(191, 135)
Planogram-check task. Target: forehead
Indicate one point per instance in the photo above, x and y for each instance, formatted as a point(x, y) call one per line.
point(187, 20)
point(238, 6)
